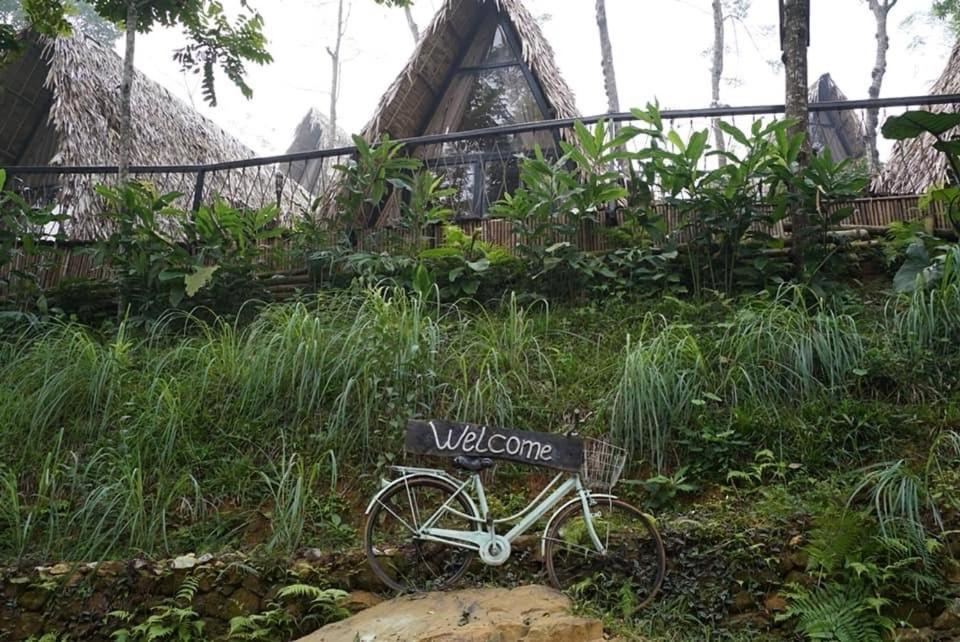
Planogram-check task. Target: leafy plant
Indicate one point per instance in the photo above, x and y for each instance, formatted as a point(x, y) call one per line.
point(845, 613)
point(662, 490)
point(172, 621)
point(914, 124)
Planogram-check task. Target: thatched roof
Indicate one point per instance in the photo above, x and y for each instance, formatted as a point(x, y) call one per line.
point(839, 131)
point(59, 105)
point(407, 105)
point(312, 134)
point(914, 165)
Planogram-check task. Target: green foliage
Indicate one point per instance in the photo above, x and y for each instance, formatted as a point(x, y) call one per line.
point(298, 609)
point(914, 124)
point(173, 621)
point(845, 613)
point(779, 350)
point(926, 315)
point(663, 490)
point(162, 255)
point(660, 378)
point(23, 231)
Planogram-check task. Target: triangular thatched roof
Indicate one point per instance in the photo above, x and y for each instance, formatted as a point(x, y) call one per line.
point(914, 165)
point(312, 134)
point(409, 103)
point(59, 105)
point(839, 131)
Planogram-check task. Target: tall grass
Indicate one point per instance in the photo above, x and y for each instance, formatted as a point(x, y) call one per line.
point(661, 377)
point(929, 318)
point(780, 351)
point(116, 442)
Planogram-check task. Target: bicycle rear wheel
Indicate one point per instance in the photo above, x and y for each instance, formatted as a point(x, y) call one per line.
point(628, 574)
point(398, 556)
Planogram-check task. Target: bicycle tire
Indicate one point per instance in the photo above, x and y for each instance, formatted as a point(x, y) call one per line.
point(651, 555)
point(453, 569)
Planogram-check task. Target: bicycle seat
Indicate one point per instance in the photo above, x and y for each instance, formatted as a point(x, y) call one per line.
point(473, 464)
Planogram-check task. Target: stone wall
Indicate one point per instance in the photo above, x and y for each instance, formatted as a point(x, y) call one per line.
point(76, 599)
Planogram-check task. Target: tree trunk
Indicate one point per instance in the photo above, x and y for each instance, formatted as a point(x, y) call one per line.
point(414, 29)
point(881, 9)
point(796, 20)
point(335, 81)
point(126, 89)
point(716, 73)
point(606, 52)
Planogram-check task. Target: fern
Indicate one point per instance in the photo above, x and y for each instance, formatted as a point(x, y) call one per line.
point(836, 539)
point(844, 613)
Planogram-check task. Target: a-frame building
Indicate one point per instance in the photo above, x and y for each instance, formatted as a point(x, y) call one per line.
point(480, 64)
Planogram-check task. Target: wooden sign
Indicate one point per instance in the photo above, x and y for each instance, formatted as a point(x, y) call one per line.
point(448, 439)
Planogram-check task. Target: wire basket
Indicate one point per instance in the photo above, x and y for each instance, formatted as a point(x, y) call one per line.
point(602, 464)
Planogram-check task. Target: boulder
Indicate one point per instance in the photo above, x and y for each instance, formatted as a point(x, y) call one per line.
point(525, 614)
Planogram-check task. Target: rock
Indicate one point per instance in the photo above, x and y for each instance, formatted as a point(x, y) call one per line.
point(27, 626)
point(109, 569)
point(953, 572)
point(360, 601)
point(949, 620)
point(33, 600)
point(754, 620)
point(912, 635)
point(775, 604)
point(314, 555)
point(525, 614)
point(241, 602)
point(915, 614)
point(253, 584)
point(184, 562)
point(59, 569)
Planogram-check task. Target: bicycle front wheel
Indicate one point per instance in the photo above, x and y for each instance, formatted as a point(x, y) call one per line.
point(629, 571)
point(399, 557)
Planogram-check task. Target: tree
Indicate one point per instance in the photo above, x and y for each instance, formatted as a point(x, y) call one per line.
point(212, 41)
point(716, 72)
point(881, 10)
point(795, 38)
point(80, 14)
point(334, 54)
point(948, 11)
point(606, 53)
point(412, 24)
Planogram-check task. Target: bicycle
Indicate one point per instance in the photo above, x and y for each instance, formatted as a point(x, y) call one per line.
point(425, 527)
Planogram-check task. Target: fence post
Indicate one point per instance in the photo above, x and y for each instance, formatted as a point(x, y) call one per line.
point(198, 190)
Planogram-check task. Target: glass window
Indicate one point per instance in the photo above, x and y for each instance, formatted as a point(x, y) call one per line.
point(500, 178)
point(463, 179)
point(500, 49)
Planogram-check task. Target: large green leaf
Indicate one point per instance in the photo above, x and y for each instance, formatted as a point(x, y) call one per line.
point(200, 278)
point(915, 123)
point(917, 264)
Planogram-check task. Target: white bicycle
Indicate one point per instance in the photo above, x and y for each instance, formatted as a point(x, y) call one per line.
point(425, 527)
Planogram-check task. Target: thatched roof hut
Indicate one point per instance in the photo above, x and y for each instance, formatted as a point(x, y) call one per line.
point(59, 105)
point(914, 165)
point(312, 134)
point(479, 64)
point(839, 131)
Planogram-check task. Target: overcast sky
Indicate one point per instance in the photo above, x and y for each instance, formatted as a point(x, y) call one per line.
point(659, 48)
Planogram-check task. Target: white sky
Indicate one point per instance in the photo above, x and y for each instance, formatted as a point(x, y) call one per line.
point(659, 50)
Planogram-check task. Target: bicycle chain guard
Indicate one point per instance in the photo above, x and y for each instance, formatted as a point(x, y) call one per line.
point(495, 551)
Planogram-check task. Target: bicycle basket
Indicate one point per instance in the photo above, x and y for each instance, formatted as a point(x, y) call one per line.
point(602, 464)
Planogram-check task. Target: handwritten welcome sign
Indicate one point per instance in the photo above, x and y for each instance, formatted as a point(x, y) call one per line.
point(453, 440)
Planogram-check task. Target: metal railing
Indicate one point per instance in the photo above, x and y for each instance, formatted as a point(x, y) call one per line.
point(482, 162)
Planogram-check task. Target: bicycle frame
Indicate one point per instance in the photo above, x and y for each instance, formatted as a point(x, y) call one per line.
point(494, 549)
